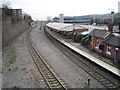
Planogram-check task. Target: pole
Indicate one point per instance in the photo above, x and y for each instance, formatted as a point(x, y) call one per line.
point(88, 81)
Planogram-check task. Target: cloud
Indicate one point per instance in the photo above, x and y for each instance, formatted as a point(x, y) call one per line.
point(42, 8)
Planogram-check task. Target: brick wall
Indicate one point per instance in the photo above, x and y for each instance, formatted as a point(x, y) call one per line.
point(79, 30)
point(94, 39)
point(111, 56)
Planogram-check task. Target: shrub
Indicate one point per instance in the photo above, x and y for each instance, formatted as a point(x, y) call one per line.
point(78, 37)
point(74, 37)
point(85, 41)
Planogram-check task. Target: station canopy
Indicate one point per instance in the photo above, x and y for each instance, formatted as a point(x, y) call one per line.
point(91, 27)
point(61, 26)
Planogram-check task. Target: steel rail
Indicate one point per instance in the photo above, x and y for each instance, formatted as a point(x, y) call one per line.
point(49, 76)
point(79, 60)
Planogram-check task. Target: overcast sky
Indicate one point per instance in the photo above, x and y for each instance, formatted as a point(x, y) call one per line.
point(40, 9)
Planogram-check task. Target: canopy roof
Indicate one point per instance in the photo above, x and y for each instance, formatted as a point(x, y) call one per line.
point(61, 26)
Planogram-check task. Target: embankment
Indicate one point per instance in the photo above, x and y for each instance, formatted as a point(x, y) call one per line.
point(11, 30)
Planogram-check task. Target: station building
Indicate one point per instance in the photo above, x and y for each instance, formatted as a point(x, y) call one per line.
point(106, 42)
point(66, 29)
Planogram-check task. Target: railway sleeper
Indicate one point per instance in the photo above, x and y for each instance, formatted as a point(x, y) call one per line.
point(52, 81)
point(56, 84)
point(48, 75)
point(115, 86)
point(46, 72)
point(102, 78)
point(55, 87)
point(111, 85)
point(105, 83)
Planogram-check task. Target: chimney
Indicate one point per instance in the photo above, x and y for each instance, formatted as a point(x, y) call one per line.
point(110, 28)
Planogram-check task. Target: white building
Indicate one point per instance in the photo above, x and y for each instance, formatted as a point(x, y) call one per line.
point(61, 18)
point(84, 20)
point(119, 7)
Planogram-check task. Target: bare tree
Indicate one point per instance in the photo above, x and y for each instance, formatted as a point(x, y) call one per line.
point(5, 3)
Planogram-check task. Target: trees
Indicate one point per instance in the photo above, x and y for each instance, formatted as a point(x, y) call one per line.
point(85, 41)
point(4, 3)
point(78, 37)
point(13, 15)
point(6, 10)
point(27, 17)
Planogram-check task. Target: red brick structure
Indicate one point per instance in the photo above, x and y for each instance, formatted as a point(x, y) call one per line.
point(97, 37)
point(106, 43)
point(110, 28)
point(112, 47)
point(71, 33)
point(79, 30)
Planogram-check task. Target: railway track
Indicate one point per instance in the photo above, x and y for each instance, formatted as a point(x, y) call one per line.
point(49, 76)
point(82, 63)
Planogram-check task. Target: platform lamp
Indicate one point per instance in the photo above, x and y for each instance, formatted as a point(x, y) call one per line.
point(119, 27)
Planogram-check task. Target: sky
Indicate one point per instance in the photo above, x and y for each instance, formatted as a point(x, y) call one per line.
point(41, 9)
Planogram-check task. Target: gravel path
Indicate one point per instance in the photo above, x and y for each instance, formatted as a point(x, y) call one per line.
point(74, 76)
point(19, 70)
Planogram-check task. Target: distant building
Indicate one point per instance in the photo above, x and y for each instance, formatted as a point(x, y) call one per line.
point(61, 18)
point(100, 18)
point(11, 14)
point(119, 7)
point(84, 20)
point(0, 14)
point(116, 18)
point(17, 12)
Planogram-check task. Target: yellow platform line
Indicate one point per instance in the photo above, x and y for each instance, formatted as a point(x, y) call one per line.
point(91, 55)
point(99, 62)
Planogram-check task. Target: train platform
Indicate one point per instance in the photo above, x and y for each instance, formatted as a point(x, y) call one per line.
point(108, 64)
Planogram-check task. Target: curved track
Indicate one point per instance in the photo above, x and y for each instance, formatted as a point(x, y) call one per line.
point(50, 78)
point(82, 63)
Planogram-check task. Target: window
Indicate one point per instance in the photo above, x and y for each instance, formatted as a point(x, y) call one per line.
point(97, 43)
point(108, 49)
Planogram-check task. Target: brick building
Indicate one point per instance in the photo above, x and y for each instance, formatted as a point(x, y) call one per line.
point(112, 47)
point(106, 42)
point(97, 37)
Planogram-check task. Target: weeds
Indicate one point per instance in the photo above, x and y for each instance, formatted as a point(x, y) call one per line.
point(10, 53)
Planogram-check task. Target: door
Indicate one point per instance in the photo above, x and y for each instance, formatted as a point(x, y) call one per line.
point(116, 54)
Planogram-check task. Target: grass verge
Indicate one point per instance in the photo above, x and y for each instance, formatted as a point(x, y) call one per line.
point(10, 53)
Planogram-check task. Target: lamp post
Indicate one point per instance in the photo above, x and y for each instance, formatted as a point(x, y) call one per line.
point(112, 15)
